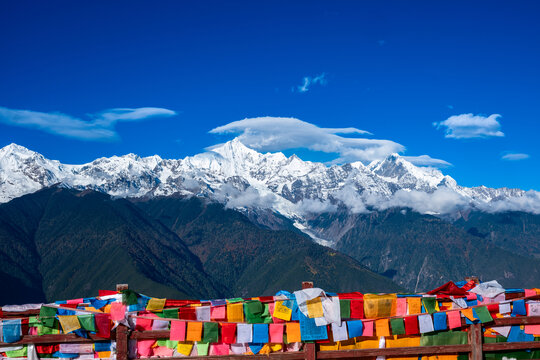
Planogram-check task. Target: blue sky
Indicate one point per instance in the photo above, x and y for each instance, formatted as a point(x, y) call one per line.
point(390, 68)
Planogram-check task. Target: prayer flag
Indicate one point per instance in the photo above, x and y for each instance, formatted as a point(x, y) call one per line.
point(244, 333)
point(203, 313)
point(398, 326)
point(202, 348)
point(425, 323)
point(315, 308)
point(184, 348)
point(103, 325)
point(260, 333)
point(454, 319)
point(518, 307)
point(357, 309)
point(46, 316)
point(228, 333)
point(439, 321)
point(483, 314)
point(178, 330)
point(293, 332)
point(155, 304)
point(69, 323)
point(415, 305)
point(170, 313)
point(429, 304)
point(11, 330)
point(401, 306)
point(368, 328)
point(211, 332)
point(235, 312)
point(355, 328)
point(281, 311)
point(468, 313)
point(276, 333)
point(218, 313)
point(118, 311)
point(382, 328)
point(87, 322)
point(345, 308)
point(411, 325)
point(194, 331)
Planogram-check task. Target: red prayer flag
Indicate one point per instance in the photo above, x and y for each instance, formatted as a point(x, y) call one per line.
point(103, 325)
point(178, 303)
point(47, 349)
point(448, 289)
point(107, 292)
point(351, 295)
point(411, 325)
point(357, 309)
point(187, 313)
point(228, 333)
point(266, 299)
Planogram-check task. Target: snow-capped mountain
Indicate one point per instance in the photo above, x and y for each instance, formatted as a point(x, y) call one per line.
point(243, 178)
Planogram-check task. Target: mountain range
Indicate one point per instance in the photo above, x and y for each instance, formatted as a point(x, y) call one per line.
point(414, 225)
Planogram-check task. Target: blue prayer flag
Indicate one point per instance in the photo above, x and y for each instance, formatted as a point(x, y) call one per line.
point(518, 308)
point(11, 330)
point(356, 328)
point(439, 321)
point(309, 330)
point(260, 333)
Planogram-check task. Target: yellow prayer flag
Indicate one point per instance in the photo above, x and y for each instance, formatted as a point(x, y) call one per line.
point(402, 341)
point(69, 323)
point(415, 305)
point(281, 311)
point(371, 342)
point(235, 312)
point(382, 327)
point(349, 344)
point(468, 313)
point(184, 348)
point(376, 306)
point(104, 354)
point(314, 308)
point(329, 346)
point(155, 304)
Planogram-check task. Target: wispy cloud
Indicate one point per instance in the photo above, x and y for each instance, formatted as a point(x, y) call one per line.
point(281, 133)
point(468, 126)
point(426, 160)
point(308, 81)
point(515, 156)
point(98, 127)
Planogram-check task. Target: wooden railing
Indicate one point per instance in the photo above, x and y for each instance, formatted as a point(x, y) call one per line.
point(475, 347)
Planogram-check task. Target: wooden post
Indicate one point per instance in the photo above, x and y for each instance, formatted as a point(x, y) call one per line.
point(122, 334)
point(475, 340)
point(310, 351)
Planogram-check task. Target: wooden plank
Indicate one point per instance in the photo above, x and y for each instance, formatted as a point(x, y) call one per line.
point(416, 350)
point(475, 340)
point(122, 348)
point(522, 320)
point(512, 346)
point(16, 314)
point(293, 355)
point(55, 339)
point(310, 352)
point(150, 335)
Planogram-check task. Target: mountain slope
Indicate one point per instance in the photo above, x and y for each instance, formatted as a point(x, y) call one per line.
point(250, 260)
point(78, 242)
point(419, 252)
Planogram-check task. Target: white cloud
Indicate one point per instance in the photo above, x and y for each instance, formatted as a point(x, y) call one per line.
point(515, 156)
point(280, 133)
point(100, 126)
point(308, 81)
point(528, 202)
point(314, 206)
point(426, 160)
point(441, 201)
point(248, 198)
point(351, 199)
point(467, 126)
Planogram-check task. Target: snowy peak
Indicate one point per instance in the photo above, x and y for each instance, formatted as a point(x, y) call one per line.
point(241, 177)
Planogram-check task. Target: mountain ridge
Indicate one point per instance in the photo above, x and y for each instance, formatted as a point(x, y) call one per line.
point(242, 178)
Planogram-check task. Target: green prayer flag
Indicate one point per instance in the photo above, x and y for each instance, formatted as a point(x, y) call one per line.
point(429, 304)
point(46, 316)
point(345, 308)
point(168, 343)
point(129, 297)
point(87, 322)
point(202, 348)
point(234, 300)
point(483, 314)
point(211, 332)
point(171, 313)
point(160, 314)
point(398, 326)
point(33, 321)
point(18, 353)
point(253, 311)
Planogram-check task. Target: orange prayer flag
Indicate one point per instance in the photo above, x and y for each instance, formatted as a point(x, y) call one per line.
point(293, 332)
point(468, 313)
point(382, 327)
point(194, 331)
point(415, 305)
